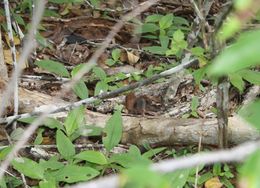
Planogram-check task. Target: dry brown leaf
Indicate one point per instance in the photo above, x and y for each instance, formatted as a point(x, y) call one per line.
point(8, 58)
point(132, 58)
point(16, 40)
point(213, 183)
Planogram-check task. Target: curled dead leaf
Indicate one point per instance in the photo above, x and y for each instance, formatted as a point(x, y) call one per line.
point(132, 58)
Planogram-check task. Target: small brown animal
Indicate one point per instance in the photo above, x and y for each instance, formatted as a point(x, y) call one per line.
point(135, 105)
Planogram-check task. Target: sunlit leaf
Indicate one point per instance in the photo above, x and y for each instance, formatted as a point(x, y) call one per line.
point(53, 67)
point(113, 131)
point(64, 145)
point(28, 167)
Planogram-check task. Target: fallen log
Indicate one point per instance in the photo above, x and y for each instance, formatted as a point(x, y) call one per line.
point(157, 130)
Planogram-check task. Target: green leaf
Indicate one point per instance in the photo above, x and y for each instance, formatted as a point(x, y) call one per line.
point(100, 73)
point(110, 62)
point(141, 177)
point(47, 184)
point(237, 81)
point(205, 177)
point(113, 131)
point(52, 123)
point(153, 18)
point(244, 53)
point(80, 89)
point(251, 76)
point(16, 134)
point(251, 113)
point(147, 28)
point(74, 120)
point(51, 164)
point(177, 20)
point(3, 183)
point(178, 36)
point(64, 145)
point(156, 49)
point(131, 158)
point(250, 170)
point(116, 54)
point(100, 87)
point(164, 40)
point(92, 156)
point(166, 21)
point(38, 140)
point(28, 167)
point(217, 169)
point(4, 152)
point(74, 173)
point(53, 67)
point(179, 178)
point(197, 51)
point(153, 152)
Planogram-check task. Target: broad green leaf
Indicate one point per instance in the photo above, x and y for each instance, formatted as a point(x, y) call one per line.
point(116, 54)
point(153, 152)
point(113, 131)
point(216, 169)
point(52, 163)
point(100, 73)
point(250, 170)
point(38, 140)
point(166, 21)
point(197, 51)
point(237, 81)
point(53, 67)
point(251, 113)
point(110, 62)
point(147, 28)
point(28, 167)
point(164, 40)
point(141, 176)
point(80, 89)
point(74, 120)
point(244, 53)
point(64, 145)
point(199, 75)
point(179, 178)
point(178, 36)
point(101, 87)
point(205, 177)
point(156, 49)
point(16, 134)
point(74, 173)
point(3, 183)
point(4, 152)
point(251, 76)
point(47, 184)
point(153, 18)
point(76, 69)
point(92, 156)
point(131, 158)
point(52, 123)
point(177, 20)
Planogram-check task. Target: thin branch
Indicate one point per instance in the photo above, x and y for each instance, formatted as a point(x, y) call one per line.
point(236, 154)
point(13, 51)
